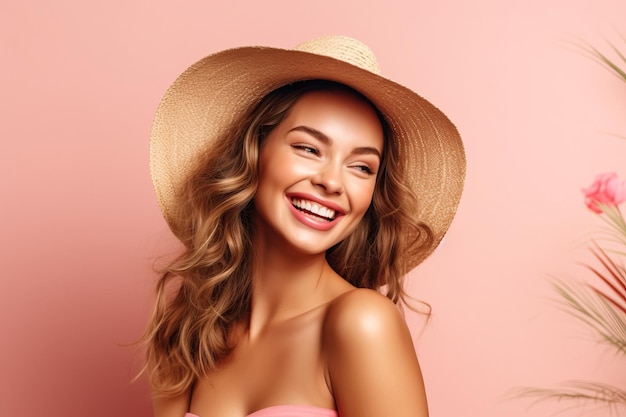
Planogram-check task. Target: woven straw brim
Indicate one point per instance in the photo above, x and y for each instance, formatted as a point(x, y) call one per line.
point(216, 91)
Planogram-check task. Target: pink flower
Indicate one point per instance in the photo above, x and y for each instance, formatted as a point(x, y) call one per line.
point(606, 190)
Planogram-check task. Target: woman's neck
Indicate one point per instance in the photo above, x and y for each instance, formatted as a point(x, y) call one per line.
point(285, 285)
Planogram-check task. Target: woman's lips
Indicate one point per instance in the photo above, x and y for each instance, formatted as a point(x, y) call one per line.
point(313, 212)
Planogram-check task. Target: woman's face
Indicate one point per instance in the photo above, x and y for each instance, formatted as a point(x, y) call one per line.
point(317, 171)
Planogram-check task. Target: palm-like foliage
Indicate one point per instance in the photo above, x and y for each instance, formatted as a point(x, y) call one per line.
point(613, 65)
point(584, 396)
point(601, 306)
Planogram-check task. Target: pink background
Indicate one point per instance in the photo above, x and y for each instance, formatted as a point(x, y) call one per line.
point(80, 227)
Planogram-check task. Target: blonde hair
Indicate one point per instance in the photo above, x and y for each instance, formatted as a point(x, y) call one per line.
point(206, 290)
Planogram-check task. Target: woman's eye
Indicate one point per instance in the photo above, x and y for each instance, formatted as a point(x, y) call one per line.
point(365, 169)
point(307, 149)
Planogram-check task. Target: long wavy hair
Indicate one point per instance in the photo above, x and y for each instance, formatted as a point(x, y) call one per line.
point(206, 290)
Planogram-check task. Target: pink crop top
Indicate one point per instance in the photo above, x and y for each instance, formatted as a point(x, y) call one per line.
point(289, 411)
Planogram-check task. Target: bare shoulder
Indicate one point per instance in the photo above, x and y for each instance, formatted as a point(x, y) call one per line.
point(372, 368)
point(361, 313)
point(362, 321)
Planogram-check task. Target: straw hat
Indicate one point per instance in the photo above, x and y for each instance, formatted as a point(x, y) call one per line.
point(217, 90)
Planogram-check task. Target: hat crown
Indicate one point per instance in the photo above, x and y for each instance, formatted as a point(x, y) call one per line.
point(343, 48)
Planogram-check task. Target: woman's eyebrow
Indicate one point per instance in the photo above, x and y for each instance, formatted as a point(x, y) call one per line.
point(367, 150)
point(364, 150)
point(315, 133)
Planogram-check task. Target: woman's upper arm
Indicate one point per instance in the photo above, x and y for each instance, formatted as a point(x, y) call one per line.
point(171, 406)
point(372, 365)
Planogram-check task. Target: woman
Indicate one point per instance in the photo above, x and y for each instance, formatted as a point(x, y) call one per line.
point(303, 186)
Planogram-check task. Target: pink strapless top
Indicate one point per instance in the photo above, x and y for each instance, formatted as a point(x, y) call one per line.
point(289, 411)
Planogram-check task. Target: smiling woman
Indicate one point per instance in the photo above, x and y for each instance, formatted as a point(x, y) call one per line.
point(292, 179)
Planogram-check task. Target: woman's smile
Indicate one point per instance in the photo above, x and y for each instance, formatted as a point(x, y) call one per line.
point(313, 208)
point(314, 213)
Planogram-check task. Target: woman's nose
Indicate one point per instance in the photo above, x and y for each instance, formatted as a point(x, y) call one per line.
point(329, 178)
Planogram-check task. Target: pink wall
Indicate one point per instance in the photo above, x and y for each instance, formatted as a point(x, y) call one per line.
point(80, 227)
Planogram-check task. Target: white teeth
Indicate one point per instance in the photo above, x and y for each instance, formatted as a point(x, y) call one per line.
point(314, 208)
